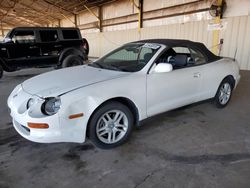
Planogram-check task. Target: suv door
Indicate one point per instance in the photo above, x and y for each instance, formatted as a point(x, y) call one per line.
point(50, 46)
point(22, 49)
point(166, 91)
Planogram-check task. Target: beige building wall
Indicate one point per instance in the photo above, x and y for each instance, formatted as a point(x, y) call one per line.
point(234, 30)
point(235, 33)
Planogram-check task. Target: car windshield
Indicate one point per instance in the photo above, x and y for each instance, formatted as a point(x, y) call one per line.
point(128, 58)
point(7, 38)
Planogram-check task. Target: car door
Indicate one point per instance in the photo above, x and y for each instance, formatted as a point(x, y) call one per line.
point(208, 74)
point(22, 49)
point(166, 91)
point(50, 46)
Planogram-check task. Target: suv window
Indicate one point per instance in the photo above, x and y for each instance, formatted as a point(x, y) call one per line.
point(21, 37)
point(70, 34)
point(48, 35)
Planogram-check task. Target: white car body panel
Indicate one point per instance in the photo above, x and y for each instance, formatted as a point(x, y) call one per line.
point(168, 95)
point(214, 73)
point(83, 89)
point(86, 99)
point(64, 80)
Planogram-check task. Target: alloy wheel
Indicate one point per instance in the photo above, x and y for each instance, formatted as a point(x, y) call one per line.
point(112, 126)
point(225, 93)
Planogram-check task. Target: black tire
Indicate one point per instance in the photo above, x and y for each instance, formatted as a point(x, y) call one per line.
point(1, 71)
point(86, 46)
point(219, 94)
point(72, 60)
point(97, 119)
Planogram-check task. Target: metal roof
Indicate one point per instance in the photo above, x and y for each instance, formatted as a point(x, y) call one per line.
point(15, 13)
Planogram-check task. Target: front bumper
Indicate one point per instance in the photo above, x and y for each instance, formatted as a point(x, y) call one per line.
point(38, 135)
point(61, 128)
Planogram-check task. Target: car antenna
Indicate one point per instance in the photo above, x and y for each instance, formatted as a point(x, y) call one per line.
point(235, 53)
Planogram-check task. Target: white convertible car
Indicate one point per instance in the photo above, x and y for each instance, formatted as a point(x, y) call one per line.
point(104, 100)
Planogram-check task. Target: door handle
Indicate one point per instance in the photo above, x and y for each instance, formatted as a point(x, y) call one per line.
point(57, 46)
point(197, 75)
point(33, 47)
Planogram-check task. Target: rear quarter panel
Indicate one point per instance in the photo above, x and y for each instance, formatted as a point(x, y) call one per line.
point(213, 74)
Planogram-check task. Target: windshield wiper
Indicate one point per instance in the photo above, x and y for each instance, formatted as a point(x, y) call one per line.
point(112, 67)
point(96, 64)
point(109, 67)
point(106, 66)
point(99, 65)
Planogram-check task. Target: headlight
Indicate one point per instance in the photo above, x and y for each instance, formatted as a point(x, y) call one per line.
point(51, 106)
point(30, 102)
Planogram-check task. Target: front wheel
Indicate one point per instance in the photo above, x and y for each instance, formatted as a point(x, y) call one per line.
point(224, 93)
point(111, 125)
point(72, 60)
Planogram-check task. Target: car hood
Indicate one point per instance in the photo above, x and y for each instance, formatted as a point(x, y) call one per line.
point(61, 81)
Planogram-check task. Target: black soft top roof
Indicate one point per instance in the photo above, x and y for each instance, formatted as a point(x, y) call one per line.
point(177, 42)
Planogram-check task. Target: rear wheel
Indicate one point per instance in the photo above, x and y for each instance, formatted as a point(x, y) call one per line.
point(1, 71)
point(111, 125)
point(224, 93)
point(72, 60)
point(86, 46)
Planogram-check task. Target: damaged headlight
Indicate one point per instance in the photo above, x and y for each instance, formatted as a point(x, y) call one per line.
point(51, 105)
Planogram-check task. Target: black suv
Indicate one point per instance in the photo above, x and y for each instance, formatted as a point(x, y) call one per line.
point(26, 47)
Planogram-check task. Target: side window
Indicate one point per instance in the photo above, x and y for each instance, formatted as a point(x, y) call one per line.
point(181, 50)
point(48, 35)
point(70, 34)
point(181, 57)
point(21, 37)
point(166, 56)
point(197, 57)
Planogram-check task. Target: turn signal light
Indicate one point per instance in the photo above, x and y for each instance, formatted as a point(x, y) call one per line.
point(73, 116)
point(38, 125)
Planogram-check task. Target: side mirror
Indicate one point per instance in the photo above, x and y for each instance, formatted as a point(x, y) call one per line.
point(163, 67)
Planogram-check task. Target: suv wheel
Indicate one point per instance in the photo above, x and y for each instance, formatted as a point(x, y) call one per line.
point(72, 60)
point(1, 71)
point(111, 125)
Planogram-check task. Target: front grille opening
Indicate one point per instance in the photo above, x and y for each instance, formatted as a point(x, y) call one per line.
point(26, 128)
